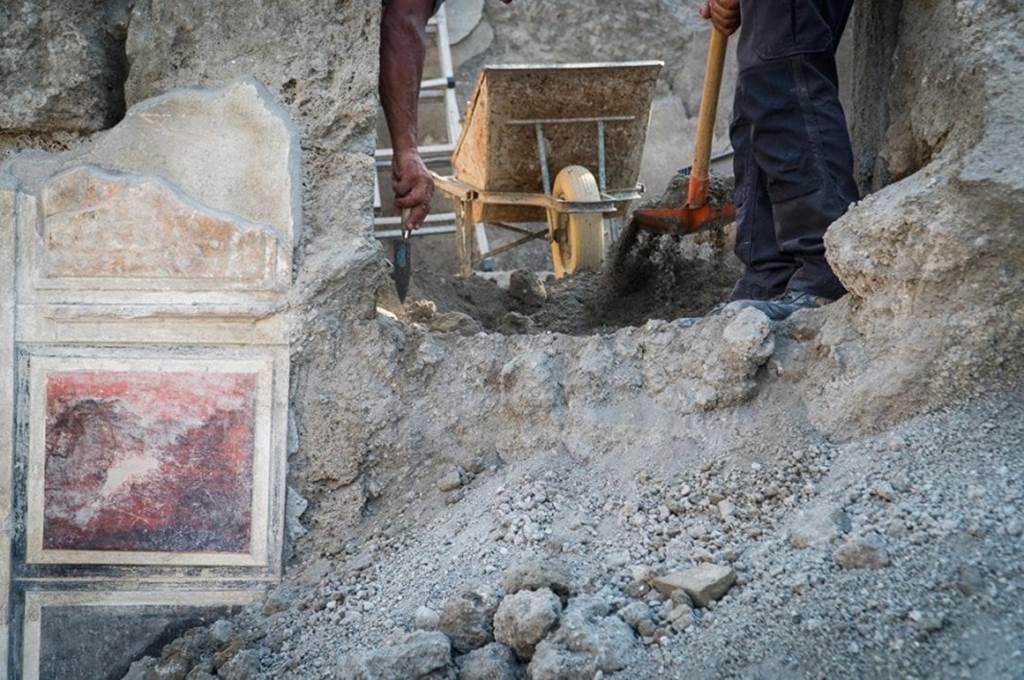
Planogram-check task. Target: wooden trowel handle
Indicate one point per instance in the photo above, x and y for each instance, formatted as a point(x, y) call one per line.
point(699, 171)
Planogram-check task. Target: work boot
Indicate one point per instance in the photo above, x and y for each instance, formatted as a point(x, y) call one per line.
point(781, 307)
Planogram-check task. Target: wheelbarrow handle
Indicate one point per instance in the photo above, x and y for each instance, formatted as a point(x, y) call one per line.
point(697, 194)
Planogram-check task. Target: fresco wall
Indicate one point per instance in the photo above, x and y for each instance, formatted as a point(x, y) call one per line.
point(143, 378)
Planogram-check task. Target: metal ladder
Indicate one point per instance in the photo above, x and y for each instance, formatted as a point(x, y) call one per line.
point(433, 155)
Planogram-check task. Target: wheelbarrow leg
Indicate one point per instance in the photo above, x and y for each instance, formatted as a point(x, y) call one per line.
point(465, 236)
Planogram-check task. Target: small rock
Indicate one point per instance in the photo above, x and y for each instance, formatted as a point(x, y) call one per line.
point(638, 615)
point(679, 597)
point(535, 574)
point(641, 572)
point(243, 666)
point(426, 618)
point(861, 553)
point(884, 491)
point(527, 288)
point(491, 662)
point(227, 653)
point(141, 669)
point(198, 673)
point(616, 560)
point(680, 616)
point(515, 323)
point(970, 580)
point(421, 311)
point(818, 526)
point(455, 322)
point(412, 655)
point(524, 618)
point(222, 630)
point(927, 623)
point(467, 617)
point(703, 583)
point(450, 480)
point(637, 589)
point(273, 605)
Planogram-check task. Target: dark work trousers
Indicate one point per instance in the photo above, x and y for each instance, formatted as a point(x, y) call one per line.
point(794, 163)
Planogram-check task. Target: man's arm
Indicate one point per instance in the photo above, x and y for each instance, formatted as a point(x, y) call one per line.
point(402, 50)
point(724, 14)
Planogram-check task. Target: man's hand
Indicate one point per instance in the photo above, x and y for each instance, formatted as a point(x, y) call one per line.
point(724, 14)
point(413, 186)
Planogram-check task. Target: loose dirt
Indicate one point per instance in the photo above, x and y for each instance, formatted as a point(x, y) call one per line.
point(647, 276)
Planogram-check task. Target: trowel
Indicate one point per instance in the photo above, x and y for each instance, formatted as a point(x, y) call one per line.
point(698, 212)
point(401, 249)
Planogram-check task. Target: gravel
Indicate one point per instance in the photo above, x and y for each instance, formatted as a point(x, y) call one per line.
point(926, 583)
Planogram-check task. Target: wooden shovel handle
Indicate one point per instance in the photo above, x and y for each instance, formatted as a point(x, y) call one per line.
point(699, 171)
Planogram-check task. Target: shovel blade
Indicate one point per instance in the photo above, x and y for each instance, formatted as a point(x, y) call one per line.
point(683, 220)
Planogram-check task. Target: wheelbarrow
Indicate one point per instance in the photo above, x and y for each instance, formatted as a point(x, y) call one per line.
point(559, 144)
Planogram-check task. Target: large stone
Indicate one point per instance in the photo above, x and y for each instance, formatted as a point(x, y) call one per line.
point(934, 261)
point(62, 64)
point(589, 639)
point(493, 662)
point(524, 618)
point(535, 573)
point(410, 656)
point(467, 617)
point(704, 583)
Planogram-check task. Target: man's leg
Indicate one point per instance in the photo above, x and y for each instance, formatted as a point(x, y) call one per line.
point(798, 130)
point(803, 146)
point(767, 270)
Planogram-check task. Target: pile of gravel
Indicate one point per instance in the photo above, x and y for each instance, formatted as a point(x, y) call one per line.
point(898, 554)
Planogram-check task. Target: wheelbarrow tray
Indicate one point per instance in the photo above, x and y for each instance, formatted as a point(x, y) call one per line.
point(497, 150)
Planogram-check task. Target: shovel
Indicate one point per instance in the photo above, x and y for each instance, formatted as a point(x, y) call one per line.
point(402, 252)
point(697, 213)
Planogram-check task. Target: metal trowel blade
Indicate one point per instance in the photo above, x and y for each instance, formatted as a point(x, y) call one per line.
point(402, 272)
point(402, 253)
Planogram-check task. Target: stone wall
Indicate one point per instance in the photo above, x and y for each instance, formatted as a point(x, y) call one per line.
point(935, 261)
point(62, 66)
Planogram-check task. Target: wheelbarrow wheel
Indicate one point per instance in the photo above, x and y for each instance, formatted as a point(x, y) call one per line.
point(577, 240)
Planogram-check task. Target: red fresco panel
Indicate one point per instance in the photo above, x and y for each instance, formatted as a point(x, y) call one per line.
point(149, 461)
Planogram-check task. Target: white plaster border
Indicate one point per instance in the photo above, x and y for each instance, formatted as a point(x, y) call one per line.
point(39, 369)
point(35, 601)
point(8, 217)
